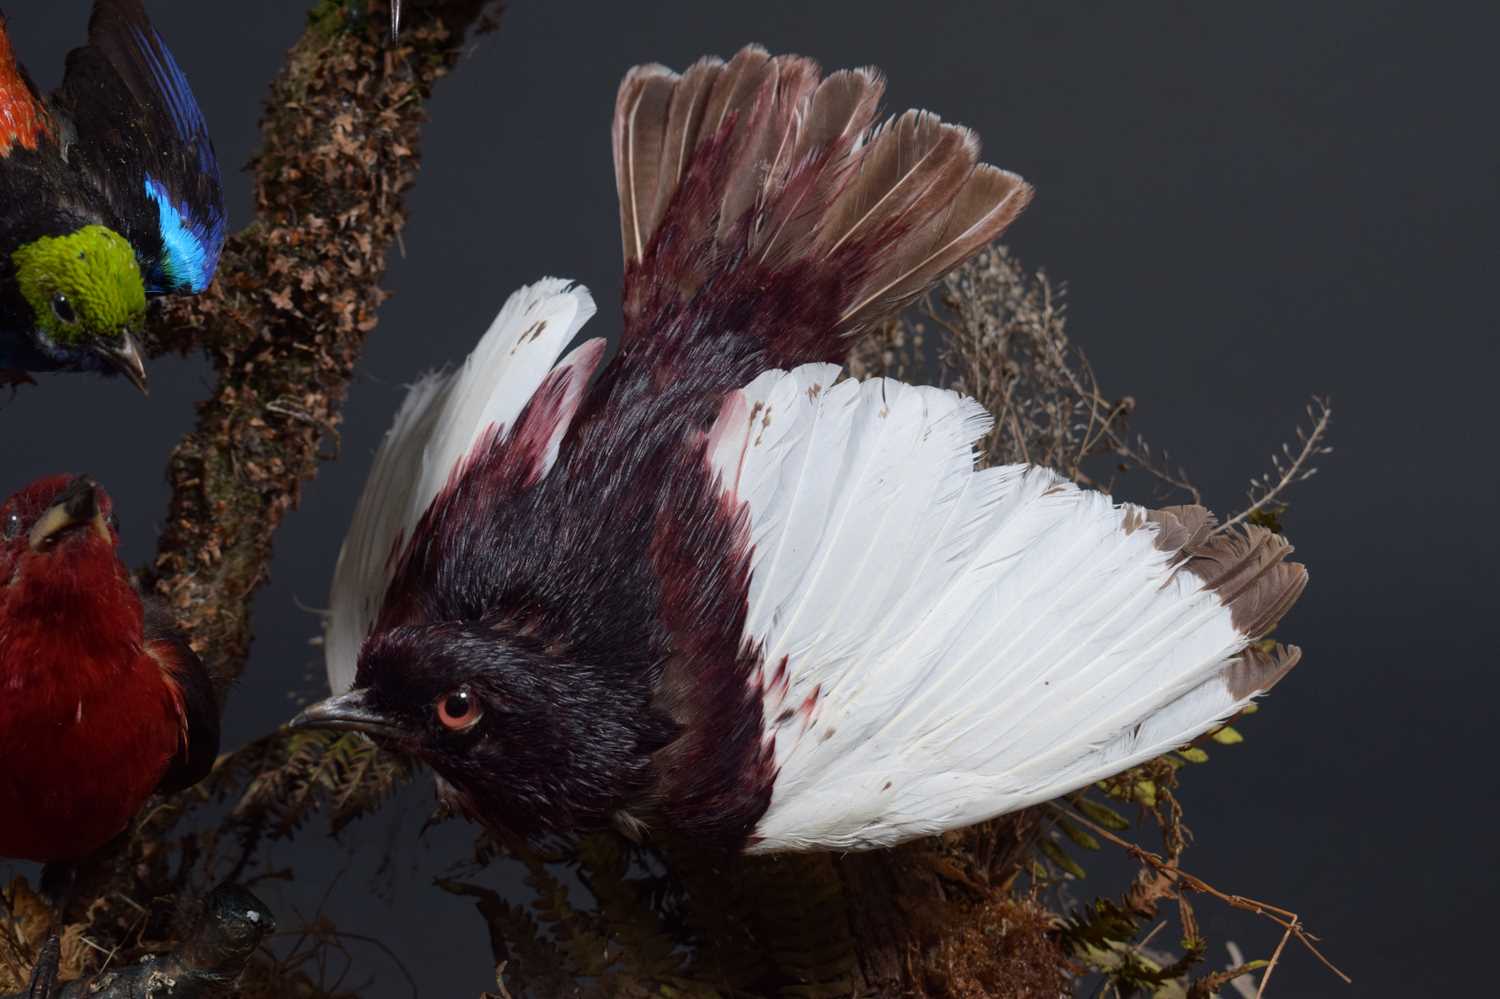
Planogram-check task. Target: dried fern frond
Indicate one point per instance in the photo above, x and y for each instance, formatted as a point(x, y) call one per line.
point(283, 779)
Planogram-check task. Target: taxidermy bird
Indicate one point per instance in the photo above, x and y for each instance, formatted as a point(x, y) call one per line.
point(104, 701)
point(109, 193)
point(725, 591)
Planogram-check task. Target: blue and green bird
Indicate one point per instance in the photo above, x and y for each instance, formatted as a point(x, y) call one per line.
point(109, 194)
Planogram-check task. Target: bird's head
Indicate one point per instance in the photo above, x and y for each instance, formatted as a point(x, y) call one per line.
point(54, 532)
point(523, 738)
point(87, 299)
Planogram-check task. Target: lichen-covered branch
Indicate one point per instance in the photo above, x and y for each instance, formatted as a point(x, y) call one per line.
point(297, 293)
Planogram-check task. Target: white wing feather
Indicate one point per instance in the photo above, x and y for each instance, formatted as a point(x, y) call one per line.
point(443, 416)
point(959, 643)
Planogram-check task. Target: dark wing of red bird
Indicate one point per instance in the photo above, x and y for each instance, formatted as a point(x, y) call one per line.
point(143, 141)
point(193, 690)
point(23, 118)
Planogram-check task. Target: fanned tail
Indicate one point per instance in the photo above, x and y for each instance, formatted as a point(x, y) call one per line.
point(760, 179)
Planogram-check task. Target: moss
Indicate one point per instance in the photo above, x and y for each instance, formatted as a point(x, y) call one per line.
point(1006, 947)
point(329, 18)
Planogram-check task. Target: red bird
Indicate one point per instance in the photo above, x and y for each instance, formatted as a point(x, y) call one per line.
point(104, 703)
point(724, 589)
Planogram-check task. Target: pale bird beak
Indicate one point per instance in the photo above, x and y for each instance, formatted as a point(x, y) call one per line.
point(350, 712)
point(78, 504)
point(125, 357)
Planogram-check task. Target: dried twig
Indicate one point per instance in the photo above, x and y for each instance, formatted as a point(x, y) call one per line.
point(1285, 918)
point(1289, 469)
point(1004, 342)
point(1276, 956)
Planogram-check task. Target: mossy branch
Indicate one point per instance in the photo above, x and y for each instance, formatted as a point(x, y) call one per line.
point(296, 295)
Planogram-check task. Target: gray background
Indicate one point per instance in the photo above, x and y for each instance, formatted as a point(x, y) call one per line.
point(1249, 203)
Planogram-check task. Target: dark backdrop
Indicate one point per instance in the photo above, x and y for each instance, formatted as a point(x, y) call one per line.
point(1249, 203)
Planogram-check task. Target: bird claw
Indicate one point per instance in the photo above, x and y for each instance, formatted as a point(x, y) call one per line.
point(44, 975)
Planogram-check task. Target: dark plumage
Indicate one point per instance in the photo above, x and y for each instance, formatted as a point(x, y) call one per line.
point(110, 192)
point(719, 591)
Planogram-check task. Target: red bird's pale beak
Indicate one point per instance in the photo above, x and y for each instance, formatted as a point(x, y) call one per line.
point(75, 506)
point(125, 357)
point(350, 712)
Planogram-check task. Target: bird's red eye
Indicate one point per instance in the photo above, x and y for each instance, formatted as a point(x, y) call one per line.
point(459, 710)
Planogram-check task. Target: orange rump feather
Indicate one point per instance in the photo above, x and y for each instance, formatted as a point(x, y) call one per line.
point(23, 119)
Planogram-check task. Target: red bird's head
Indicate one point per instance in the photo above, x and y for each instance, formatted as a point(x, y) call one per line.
point(64, 586)
point(55, 529)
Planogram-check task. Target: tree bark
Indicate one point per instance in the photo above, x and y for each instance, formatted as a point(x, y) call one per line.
point(296, 295)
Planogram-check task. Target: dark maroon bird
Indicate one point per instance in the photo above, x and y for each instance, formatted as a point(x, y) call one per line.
point(104, 702)
point(724, 589)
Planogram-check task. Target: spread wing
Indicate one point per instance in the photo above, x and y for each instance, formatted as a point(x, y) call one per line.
point(940, 645)
point(142, 139)
point(446, 417)
point(23, 118)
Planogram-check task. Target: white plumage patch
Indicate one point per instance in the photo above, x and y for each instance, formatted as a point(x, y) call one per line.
point(943, 645)
point(443, 416)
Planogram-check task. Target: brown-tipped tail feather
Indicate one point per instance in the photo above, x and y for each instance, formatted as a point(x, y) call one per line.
point(763, 164)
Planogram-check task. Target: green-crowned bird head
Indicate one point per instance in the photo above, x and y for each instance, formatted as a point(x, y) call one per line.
point(88, 299)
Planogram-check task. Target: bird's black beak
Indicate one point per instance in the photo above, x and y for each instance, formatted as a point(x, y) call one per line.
point(351, 712)
point(125, 357)
point(78, 504)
